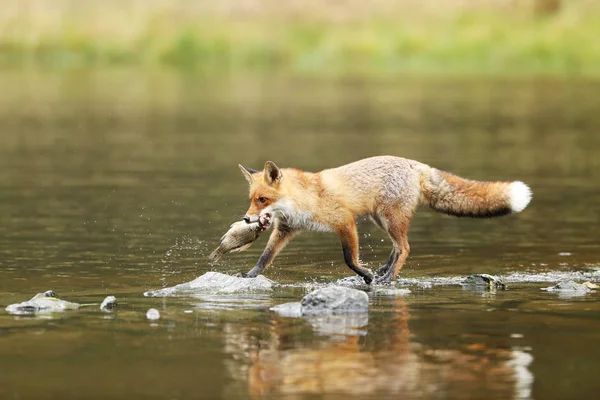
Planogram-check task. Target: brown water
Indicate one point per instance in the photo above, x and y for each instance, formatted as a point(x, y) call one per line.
point(117, 183)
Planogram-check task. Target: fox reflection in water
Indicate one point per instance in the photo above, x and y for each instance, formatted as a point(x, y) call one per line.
point(375, 364)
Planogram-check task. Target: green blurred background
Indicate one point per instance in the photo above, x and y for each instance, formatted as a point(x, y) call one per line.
point(521, 37)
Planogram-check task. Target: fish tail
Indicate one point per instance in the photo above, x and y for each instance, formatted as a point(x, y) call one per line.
point(244, 247)
point(216, 255)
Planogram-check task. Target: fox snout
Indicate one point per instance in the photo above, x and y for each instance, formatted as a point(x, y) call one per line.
point(263, 220)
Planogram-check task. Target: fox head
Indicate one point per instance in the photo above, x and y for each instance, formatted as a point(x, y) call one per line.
point(265, 189)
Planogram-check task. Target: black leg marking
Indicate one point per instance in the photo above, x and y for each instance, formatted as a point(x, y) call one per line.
point(387, 271)
point(364, 273)
point(280, 237)
point(263, 261)
point(388, 264)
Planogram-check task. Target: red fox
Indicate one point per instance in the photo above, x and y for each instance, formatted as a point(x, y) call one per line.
point(386, 188)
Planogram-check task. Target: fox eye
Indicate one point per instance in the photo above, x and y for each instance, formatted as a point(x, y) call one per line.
point(262, 200)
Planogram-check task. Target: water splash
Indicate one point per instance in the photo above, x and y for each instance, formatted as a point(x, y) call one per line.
point(185, 247)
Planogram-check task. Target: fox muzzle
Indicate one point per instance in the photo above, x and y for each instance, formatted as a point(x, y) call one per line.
point(249, 220)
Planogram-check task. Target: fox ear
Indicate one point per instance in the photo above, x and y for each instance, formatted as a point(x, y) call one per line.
point(248, 173)
point(272, 173)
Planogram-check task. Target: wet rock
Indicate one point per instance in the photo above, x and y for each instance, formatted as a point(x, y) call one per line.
point(332, 310)
point(42, 303)
point(568, 287)
point(153, 314)
point(483, 281)
point(215, 282)
point(290, 310)
point(335, 300)
point(109, 303)
point(331, 300)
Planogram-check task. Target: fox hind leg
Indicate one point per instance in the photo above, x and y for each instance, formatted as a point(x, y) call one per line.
point(349, 238)
point(397, 223)
point(382, 224)
point(388, 264)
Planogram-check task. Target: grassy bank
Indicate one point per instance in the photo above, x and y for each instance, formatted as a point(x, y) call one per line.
point(485, 40)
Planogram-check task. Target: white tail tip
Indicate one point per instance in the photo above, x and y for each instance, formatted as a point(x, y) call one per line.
point(519, 196)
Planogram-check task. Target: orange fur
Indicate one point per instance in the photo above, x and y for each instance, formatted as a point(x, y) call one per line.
point(386, 188)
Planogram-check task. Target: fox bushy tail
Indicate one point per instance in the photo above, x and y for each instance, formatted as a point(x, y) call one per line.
point(450, 194)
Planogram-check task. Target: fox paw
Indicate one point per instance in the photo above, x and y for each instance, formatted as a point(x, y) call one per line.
point(381, 271)
point(384, 279)
point(367, 275)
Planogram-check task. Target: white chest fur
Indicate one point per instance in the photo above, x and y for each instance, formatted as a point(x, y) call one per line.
point(296, 218)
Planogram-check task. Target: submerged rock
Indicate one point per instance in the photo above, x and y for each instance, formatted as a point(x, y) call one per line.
point(392, 292)
point(590, 285)
point(326, 323)
point(483, 281)
point(109, 303)
point(290, 310)
point(568, 287)
point(46, 302)
point(215, 282)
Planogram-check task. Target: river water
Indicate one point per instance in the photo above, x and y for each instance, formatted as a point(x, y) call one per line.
point(118, 182)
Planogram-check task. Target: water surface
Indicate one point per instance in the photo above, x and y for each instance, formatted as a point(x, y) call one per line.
point(115, 183)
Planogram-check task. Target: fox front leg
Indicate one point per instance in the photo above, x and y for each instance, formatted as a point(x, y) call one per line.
point(279, 238)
